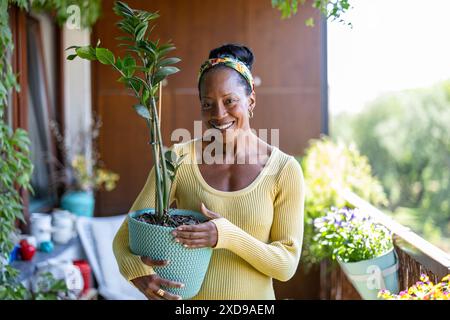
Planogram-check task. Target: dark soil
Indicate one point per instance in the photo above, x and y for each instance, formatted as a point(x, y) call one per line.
point(172, 221)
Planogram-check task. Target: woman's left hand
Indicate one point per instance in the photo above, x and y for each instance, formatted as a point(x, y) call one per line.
point(200, 235)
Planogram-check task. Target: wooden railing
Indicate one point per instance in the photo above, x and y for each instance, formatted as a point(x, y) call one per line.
point(416, 256)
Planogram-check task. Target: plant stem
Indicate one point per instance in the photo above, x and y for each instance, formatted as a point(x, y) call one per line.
point(158, 199)
point(161, 154)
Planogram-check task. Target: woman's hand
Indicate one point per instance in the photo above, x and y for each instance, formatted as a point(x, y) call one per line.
point(200, 235)
point(150, 285)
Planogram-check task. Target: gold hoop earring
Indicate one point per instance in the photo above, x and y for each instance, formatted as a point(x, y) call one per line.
point(250, 113)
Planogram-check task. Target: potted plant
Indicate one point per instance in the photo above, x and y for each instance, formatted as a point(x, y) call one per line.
point(142, 71)
point(330, 166)
point(363, 248)
point(79, 199)
point(422, 290)
point(80, 175)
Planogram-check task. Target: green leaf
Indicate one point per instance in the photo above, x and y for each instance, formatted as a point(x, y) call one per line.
point(72, 47)
point(163, 73)
point(131, 48)
point(86, 52)
point(165, 49)
point(142, 111)
point(155, 89)
point(124, 38)
point(147, 16)
point(145, 96)
point(122, 9)
point(140, 30)
point(140, 82)
point(168, 61)
point(170, 156)
point(125, 26)
point(129, 65)
point(119, 64)
point(105, 56)
point(72, 56)
point(148, 46)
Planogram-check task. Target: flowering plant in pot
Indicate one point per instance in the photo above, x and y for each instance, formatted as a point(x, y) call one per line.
point(142, 71)
point(80, 198)
point(362, 247)
point(81, 175)
point(422, 290)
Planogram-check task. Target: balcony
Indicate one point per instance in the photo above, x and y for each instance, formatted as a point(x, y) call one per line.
point(416, 256)
point(69, 92)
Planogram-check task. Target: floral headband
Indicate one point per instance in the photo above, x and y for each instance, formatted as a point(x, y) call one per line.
point(233, 63)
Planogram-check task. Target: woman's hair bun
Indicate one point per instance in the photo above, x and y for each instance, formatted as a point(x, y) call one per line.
point(237, 51)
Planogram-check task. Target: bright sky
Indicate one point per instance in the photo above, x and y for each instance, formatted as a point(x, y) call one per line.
point(394, 45)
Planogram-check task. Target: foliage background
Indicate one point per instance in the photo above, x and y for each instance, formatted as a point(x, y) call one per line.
point(15, 164)
point(406, 137)
point(329, 167)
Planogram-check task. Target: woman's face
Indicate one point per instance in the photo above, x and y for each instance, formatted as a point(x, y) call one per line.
point(224, 103)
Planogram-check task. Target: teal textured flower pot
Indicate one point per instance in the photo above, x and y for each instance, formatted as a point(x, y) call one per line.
point(370, 276)
point(81, 203)
point(187, 266)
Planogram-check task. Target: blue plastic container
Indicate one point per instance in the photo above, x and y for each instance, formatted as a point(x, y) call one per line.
point(80, 203)
point(370, 276)
point(188, 266)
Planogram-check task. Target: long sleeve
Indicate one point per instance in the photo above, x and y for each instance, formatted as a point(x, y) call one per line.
point(130, 265)
point(279, 258)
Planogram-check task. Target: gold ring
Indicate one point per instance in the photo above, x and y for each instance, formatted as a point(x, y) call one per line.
point(160, 292)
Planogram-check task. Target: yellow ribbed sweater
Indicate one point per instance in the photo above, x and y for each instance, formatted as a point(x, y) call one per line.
point(259, 235)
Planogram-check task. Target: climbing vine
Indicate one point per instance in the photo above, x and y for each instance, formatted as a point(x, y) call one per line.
point(15, 164)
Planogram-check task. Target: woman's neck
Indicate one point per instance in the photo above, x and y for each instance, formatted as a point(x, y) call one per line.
point(244, 149)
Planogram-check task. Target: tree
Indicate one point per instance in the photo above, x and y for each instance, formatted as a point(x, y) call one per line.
point(330, 9)
point(406, 137)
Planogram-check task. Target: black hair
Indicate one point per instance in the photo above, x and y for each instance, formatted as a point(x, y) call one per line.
point(238, 52)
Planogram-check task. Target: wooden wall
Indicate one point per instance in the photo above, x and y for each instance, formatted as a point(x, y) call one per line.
point(287, 59)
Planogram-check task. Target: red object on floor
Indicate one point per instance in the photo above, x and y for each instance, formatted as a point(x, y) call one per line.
point(27, 251)
point(85, 269)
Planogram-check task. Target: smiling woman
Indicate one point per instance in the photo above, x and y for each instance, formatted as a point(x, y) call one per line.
point(227, 91)
point(253, 201)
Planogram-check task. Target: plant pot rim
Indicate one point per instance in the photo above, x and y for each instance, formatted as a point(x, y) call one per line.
point(339, 260)
point(132, 214)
